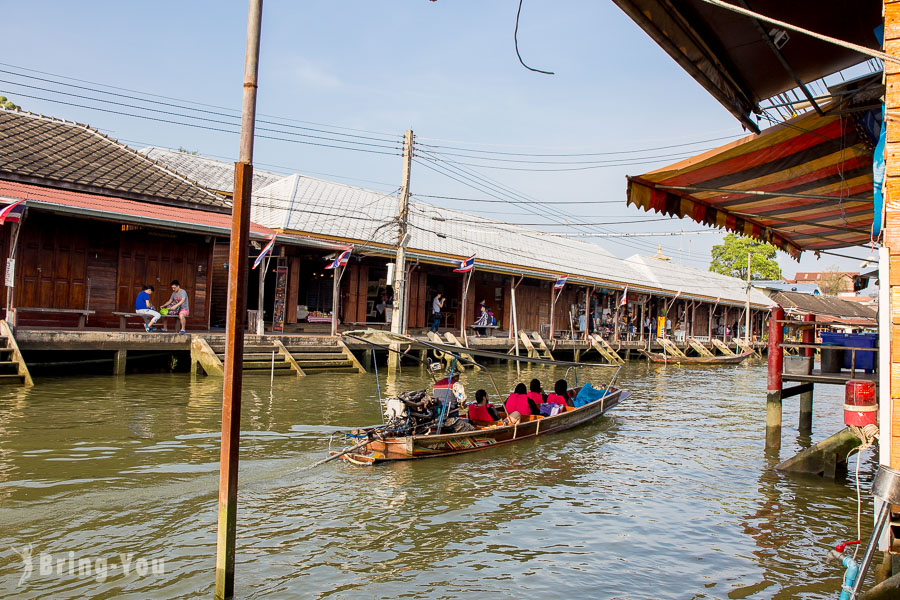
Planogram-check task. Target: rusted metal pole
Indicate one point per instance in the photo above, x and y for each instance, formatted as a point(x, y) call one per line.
point(236, 317)
point(774, 383)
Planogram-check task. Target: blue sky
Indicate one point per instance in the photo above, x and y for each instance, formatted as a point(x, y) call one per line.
point(446, 69)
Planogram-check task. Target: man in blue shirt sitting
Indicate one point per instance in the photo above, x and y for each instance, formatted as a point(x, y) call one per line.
point(143, 306)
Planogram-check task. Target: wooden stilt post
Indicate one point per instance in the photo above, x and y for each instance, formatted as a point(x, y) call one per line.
point(806, 398)
point(236, 317)
point(643, 312)
point(552, 311)
point(774, 381)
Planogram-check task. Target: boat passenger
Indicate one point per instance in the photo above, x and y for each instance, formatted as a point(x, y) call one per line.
point(560, 393)
point(519, 402)
point(482, 409)
point(535, 393)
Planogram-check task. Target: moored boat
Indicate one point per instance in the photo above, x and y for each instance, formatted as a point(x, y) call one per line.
point(659, 358)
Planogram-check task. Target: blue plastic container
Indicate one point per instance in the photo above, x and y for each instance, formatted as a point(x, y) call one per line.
point(832, 360)
point(864, 360)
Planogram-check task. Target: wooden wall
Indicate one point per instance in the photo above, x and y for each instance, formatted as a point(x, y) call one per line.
point(354, 293)
point(892, 218)
point(66, 262)
point(157, 258)
point(418, 300)
point(532, 305)
point(218, 286)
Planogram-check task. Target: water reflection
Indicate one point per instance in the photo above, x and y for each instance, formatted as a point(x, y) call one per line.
point(672, 496)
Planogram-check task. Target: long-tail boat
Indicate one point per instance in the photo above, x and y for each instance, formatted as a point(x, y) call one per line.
point(423, 425)
point(659, 358)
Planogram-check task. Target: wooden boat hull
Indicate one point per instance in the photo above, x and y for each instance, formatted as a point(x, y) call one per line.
point(429, 446)
point(657, 358)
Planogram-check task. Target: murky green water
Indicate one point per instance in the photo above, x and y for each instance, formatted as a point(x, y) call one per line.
point(672, 496)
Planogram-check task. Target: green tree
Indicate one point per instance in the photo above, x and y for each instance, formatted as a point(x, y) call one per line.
point(730, 258)
point(8, 104)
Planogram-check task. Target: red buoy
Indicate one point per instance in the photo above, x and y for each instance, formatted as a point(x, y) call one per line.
point(859, 403)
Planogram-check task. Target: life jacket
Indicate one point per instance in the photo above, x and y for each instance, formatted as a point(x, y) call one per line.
point(479, 413)
point(537, 397)
point(518, 403)
point(556, 399)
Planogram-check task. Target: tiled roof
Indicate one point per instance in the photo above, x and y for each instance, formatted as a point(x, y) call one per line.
point(211, 174)
point(55, 153)
point(123, 210)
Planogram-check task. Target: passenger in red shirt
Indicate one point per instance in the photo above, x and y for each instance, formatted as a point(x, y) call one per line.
point(482, 409)
point(519, 402)
point(536, 394)
point(560, 393)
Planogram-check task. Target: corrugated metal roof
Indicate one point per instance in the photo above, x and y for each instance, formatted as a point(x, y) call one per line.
point(210, 173)
point(305, 205)
point(51, 152)
point(696, 283)
point(794, 302)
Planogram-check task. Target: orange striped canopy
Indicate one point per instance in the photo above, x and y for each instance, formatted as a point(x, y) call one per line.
point(805, 184)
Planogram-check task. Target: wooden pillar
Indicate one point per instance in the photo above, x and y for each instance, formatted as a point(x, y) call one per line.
point(119, 362)
point(806, 398)
point(643, 308)
point(774, 382)
point(889, 260)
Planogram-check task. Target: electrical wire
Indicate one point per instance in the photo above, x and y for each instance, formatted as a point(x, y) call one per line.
point(580, 154)
point(516, 202)
point(152, 95)
point(207, 127)
point(516, 40)
point(198, 118)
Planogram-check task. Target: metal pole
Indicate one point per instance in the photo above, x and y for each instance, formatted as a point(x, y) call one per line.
point(880, 520)
point(236, 317)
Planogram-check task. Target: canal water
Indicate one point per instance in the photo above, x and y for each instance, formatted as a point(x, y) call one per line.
point(671, 496)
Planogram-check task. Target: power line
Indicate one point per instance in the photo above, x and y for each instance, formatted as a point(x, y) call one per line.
point(152, 95)
point(206, 127)
point(518, 202)
point(641, 161)
point(582, 154)
point(188, 116)
point(469, 174)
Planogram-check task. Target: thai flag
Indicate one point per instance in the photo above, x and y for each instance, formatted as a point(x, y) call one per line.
point(264, 251)
point(624, 300)
point(12, 213)
point(560, 282)
point(465, 265)
point(342, 260)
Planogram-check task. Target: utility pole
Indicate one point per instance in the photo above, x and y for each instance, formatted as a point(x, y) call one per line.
point(399, 311)
point(236, 317)
point(747, 307)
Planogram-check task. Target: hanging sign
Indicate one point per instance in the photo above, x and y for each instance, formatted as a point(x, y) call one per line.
point(281, 278)
point(10, 272)
point(660, 326)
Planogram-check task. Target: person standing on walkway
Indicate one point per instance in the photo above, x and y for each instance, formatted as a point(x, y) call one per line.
point(178, 304)
point(143, 306)
point(436, 305)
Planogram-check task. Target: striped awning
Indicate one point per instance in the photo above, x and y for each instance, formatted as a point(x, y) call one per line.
point(805, 184)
